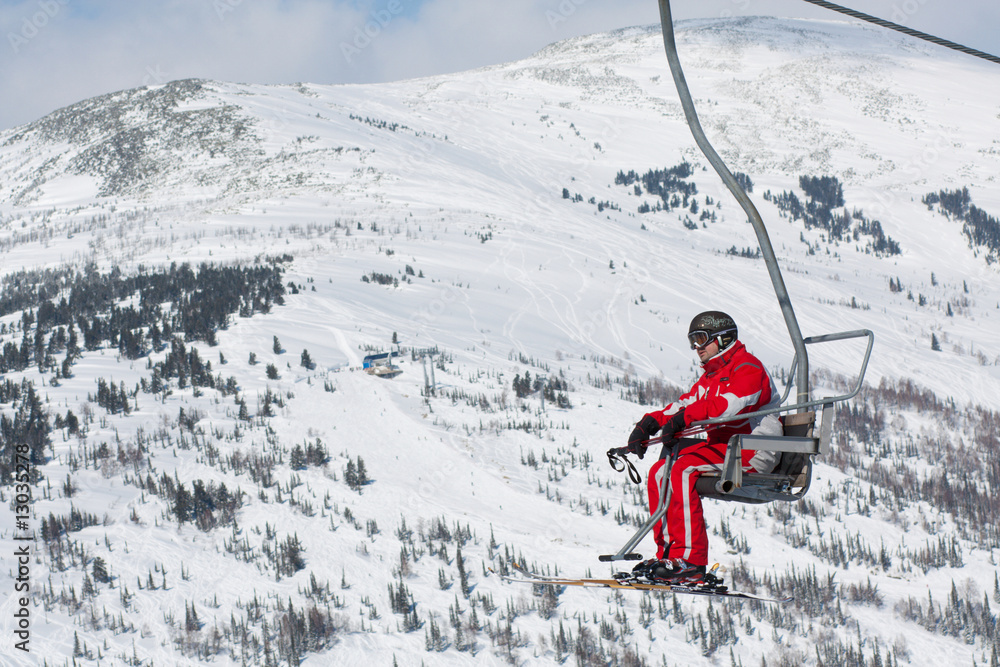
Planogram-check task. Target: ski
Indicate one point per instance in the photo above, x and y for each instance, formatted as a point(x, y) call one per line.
point(713, 587)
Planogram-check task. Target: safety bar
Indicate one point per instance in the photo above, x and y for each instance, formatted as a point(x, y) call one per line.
point(826, 338)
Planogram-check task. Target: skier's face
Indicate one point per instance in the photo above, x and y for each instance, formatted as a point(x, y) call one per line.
point(709, 351)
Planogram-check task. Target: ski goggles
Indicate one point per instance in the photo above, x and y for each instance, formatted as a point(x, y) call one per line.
point(701, 338)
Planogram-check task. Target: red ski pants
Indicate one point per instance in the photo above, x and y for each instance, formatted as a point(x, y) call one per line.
point(688, 537)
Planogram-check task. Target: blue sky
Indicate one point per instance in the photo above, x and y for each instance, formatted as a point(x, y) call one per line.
point(57, 52)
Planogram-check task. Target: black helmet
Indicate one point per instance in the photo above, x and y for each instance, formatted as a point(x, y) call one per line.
point(712, 324)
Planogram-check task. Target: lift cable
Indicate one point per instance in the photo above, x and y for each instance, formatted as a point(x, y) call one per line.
point(903, 29)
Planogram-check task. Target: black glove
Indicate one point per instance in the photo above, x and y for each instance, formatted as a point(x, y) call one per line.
point(673, 426)
point(641, 434)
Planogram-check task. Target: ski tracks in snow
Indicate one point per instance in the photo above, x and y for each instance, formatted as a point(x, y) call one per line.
point(604, 329)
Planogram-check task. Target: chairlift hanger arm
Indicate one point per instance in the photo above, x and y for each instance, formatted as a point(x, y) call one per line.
point(667, 25)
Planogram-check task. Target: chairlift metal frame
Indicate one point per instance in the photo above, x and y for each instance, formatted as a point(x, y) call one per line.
point(800, 444)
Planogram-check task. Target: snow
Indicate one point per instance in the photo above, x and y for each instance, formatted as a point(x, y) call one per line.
point(485, 155)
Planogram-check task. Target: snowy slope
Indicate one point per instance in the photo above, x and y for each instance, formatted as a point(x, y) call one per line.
point(460, 179)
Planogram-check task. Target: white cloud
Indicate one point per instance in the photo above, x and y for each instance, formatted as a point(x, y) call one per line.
point(78, 55)
point(57, 52)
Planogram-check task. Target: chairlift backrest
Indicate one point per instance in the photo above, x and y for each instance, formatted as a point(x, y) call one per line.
point(800, 424)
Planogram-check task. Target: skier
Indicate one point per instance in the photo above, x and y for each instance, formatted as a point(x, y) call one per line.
point(733, 382)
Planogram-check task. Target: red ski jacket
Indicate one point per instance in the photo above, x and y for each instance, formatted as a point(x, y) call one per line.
point(734, 382)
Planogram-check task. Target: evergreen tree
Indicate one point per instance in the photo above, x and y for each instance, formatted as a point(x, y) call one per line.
point(351, 474)
point(463, 578)
point(100, 570)
point(182, 504)
point(73, 347)
point(72, 423)
point(291, 558)
point(522, 386)
point(297, 459)
point(190, 618)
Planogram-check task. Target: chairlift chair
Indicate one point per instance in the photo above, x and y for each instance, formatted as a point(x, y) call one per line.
point(802, 439)
point(800, 443)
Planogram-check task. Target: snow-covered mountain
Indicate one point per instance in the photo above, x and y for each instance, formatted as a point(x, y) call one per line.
point(493, 215)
